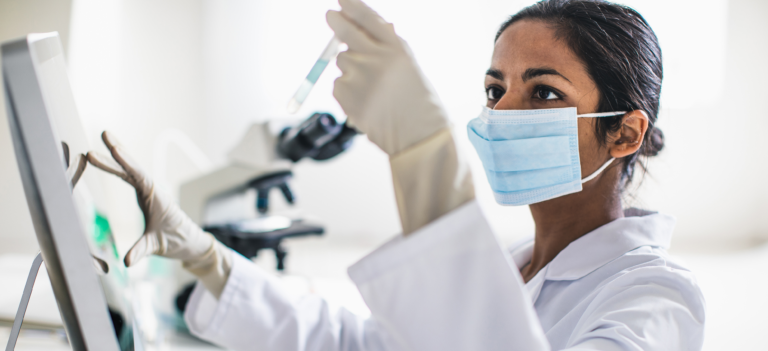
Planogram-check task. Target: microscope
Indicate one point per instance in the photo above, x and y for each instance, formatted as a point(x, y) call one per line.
point(233, 202)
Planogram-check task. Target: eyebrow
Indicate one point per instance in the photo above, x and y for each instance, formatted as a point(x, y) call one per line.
point(529, 73)
point(542, 71)
point(495, 73)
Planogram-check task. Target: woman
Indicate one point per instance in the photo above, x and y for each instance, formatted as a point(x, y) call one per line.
point(594, 277)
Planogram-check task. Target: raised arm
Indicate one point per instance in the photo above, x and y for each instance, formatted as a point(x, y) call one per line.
point(385, 95)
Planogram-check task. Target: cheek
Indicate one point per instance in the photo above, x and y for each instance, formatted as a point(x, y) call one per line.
point(589, 147)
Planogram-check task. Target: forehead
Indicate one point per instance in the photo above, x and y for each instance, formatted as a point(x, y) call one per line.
point(533, 43)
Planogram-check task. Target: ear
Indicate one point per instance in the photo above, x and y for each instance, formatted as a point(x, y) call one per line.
point(628, 139)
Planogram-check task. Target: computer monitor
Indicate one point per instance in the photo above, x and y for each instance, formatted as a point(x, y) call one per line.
point(70, 226)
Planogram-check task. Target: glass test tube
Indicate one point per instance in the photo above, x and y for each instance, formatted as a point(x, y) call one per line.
point(309, 82)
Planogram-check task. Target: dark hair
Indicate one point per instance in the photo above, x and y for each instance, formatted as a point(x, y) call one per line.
point(621, 54)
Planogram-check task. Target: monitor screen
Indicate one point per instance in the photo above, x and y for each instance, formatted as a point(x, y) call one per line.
point(88, 278)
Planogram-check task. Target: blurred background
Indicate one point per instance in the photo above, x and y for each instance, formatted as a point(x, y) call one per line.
point(152, 70)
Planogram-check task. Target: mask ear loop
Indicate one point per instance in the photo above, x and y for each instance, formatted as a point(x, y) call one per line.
point(598, 171)
point(605, 165)
point(602, 114)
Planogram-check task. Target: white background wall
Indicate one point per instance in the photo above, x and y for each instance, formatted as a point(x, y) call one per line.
point(17, 18)
point(211, 68)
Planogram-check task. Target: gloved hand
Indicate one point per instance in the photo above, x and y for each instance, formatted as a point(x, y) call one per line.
point(385, 95)
point(76, 169)
point(168, 231)
point(382, 90)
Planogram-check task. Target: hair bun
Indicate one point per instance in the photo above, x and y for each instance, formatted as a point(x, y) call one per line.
point(654, 142)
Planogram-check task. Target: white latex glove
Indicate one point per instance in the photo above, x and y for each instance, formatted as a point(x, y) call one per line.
point(382, 90)
point(430, 180)
point(168, 231)
point(385, 95)
point(76, 169)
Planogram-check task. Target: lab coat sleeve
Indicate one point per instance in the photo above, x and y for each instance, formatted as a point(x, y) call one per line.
point(254, 313)
point(650, 308)
point(449, 286)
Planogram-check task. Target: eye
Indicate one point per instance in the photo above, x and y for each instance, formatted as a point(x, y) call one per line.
point(545, 93)
point(494, 93)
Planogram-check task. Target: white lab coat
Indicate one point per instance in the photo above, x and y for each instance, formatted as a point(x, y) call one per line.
point(450, 286)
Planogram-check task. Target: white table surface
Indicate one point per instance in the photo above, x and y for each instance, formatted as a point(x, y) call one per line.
point(314, 265)
point(47, 340)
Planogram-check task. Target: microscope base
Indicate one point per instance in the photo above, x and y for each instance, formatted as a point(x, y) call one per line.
point(249, 244)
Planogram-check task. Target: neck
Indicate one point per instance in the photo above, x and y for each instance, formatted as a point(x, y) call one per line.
point(562, 220)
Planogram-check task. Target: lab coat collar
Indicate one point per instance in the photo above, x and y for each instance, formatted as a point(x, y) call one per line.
point(602, 245)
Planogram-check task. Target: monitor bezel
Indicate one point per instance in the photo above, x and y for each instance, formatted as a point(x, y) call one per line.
point(60, 234)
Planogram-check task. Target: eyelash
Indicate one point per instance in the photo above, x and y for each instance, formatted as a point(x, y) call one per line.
point(536, 90)
point(488, 92)
point(540, 88)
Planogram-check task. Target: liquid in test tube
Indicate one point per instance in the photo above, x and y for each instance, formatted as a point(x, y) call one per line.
point(314, 74)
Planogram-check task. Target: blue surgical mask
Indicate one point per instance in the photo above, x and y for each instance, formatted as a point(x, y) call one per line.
point(531, 156)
